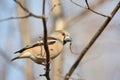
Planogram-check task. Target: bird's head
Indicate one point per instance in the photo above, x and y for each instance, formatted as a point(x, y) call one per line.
point(62, 35)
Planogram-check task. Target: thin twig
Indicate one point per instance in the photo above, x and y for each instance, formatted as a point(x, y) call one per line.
point(77, 4)
point(83, 13)
point(10, 18)
point(93, 10)
point(88, 8)
point(45, 43)
point(26, 10)
point(84, 51)
point(22, 17)
point(29, 14)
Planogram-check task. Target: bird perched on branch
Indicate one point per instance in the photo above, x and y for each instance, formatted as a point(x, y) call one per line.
point(36, 52)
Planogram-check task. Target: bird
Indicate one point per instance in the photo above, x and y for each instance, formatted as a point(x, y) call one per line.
point(36, 51)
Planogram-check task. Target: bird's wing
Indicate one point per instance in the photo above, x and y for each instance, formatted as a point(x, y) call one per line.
point(51, 41)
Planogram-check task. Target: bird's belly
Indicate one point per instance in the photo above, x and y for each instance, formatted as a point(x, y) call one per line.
point(54, 50)
point(38, 60)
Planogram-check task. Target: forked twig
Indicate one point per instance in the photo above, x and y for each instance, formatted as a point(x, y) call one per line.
point(82, 14)
point(26, 10)
point(88, 7)
point(29, 14)
point(84, 51)
point(93, 10)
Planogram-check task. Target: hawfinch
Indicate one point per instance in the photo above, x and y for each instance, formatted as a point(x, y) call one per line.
point(36, 52)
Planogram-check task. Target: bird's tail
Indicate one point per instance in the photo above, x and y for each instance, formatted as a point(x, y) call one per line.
point(14, 58)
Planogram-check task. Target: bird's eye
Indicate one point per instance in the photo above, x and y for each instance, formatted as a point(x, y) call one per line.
point(63, 34)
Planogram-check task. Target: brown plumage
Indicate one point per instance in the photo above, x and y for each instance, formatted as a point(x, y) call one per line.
point(36, 51)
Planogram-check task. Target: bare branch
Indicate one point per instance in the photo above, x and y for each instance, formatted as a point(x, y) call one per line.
point(77, 4)
point(88, 8)
point(83, 13)
point(87, 4)
point(30, 14)
point(22, 17)
point(10, 18)
point(93, 10)
point(84, 51)
point(26, 10)
point(45, 43)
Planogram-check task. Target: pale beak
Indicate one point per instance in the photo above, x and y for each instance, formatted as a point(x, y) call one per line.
point(67, 39)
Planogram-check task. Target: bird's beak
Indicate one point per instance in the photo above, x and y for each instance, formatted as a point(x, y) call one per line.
point(67, 39)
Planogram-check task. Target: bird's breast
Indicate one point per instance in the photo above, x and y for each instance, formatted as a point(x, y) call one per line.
point(54, 50)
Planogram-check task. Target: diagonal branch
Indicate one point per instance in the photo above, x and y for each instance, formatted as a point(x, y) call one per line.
point(84, 51)
point(88, 8)
point(26, 10)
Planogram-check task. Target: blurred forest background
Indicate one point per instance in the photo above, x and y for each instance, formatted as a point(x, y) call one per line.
point(100, 63)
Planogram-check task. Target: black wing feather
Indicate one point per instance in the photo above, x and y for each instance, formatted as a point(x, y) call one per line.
point(34, 45)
